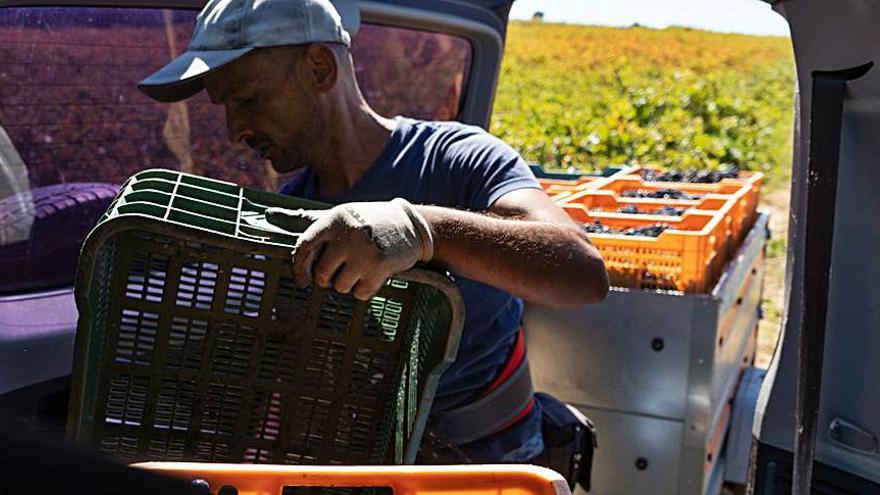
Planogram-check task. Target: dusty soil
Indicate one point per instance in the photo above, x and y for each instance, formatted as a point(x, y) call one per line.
point(776, 201)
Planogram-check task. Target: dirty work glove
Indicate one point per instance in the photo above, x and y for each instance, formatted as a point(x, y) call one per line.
point(355, 247)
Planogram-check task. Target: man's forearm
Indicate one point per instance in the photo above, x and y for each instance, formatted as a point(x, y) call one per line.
point(547, 263)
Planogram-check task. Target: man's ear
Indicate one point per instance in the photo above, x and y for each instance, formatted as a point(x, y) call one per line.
point(321, 66)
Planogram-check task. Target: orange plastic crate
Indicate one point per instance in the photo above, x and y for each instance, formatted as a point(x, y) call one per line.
point(688, 256)
point(744, 212)
point(558, 189)
point(549, 183)
point(744, 192)
point(263, 479)
point(744, 175)
point(620, 183)
point(609, 203)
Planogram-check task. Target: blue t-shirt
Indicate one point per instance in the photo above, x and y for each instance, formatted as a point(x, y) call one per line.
point(459, 166)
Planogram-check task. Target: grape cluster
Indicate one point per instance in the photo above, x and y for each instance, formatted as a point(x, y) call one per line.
point(658, 194)
point(666, 210)
point(656, 281)
point(671, 211)
point(653, 230)
point(690, 175)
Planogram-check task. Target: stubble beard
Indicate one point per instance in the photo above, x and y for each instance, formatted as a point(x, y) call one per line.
point(302, 148)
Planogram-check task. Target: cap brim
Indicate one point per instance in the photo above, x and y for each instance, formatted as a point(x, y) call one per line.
point(182, 77)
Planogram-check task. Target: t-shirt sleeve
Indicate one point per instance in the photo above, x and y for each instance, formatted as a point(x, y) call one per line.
point(295, 186)
point(484, 168)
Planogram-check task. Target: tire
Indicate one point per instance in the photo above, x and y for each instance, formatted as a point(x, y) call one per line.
point(61, 217)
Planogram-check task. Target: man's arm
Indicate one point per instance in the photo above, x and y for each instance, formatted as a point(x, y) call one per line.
point(526, 246)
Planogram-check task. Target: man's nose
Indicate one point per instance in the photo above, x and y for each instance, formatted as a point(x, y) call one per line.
point(237, 129)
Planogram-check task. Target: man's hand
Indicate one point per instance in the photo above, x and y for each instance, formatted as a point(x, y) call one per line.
point(355, 247)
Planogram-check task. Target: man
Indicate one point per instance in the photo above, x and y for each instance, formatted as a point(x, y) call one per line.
point(442, 194)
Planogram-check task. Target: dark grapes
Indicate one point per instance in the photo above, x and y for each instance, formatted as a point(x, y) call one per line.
point(666, 210)
point(658, 194)
point(670, 210)
point(691, 175)
point(653, 230)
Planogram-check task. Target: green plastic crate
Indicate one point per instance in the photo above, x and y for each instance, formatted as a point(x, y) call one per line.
point(193, 342)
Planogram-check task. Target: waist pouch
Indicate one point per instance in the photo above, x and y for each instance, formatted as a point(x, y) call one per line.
point(569, 441)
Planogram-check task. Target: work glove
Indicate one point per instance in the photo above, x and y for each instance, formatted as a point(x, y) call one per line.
point(355, 247)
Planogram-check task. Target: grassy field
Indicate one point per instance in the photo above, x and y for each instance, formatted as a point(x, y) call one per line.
point(586, 97)
point(583, 97)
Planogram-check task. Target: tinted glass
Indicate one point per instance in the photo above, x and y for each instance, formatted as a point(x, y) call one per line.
point(412, 73)
point(73, 125)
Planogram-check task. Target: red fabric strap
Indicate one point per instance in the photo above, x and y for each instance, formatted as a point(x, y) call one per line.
point(516, 358)
point(521, 415)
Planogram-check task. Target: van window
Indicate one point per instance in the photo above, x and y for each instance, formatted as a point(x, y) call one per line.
point(73, 125)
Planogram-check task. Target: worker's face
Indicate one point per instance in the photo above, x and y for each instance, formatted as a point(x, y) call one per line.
point(270, 105)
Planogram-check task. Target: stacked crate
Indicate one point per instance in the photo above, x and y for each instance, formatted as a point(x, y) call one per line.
point(657, 370)
point(661, 235)
point(560, 189)
point(559, 185)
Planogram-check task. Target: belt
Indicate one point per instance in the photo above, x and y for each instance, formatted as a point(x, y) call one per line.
point(507, 400)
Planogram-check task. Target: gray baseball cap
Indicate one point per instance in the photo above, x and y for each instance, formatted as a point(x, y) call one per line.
point(228, 29)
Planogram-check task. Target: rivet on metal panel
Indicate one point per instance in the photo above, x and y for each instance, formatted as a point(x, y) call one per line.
point(641, 464)
point(657, 344)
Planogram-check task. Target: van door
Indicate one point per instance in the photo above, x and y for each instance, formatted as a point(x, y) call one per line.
point(73, 127)
point(832, 35)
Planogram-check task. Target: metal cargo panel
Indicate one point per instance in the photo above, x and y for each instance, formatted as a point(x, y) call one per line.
point(636, 454)
point(736, 333)
point(629, 353)
point(650, 352)
point(671, 357)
